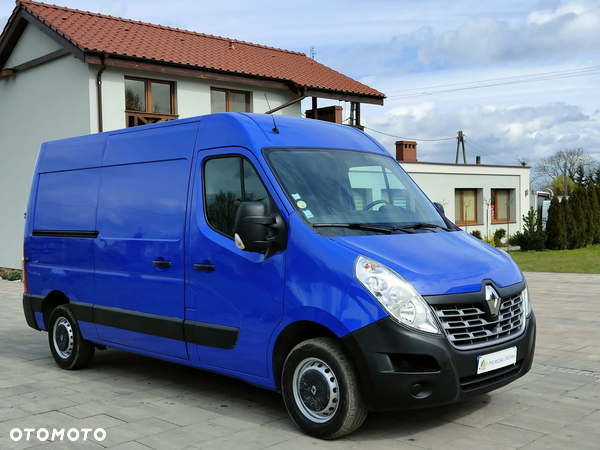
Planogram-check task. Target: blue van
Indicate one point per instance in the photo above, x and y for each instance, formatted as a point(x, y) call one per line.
point(296, 255)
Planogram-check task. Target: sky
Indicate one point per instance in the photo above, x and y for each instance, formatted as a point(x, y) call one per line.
point(520, 78)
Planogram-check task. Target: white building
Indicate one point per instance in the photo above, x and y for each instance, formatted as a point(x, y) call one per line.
point(474, 196)
point(65, 72)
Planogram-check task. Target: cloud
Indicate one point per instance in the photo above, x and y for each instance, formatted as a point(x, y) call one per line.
point(544, 34)
point(497, 134)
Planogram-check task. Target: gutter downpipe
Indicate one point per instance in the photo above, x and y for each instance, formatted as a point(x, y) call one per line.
point(99, 91)
point(285, 105)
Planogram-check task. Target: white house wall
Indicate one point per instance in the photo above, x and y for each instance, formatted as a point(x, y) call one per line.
point(439, 182)
point(32, 44)
point(47, 102)
point(192, 96)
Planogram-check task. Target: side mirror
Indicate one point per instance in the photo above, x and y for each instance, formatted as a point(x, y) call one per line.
point(256, 232)
point(439, 207)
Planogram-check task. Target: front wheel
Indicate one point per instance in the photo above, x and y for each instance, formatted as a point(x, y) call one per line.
point(321, 390)
point(69, 349)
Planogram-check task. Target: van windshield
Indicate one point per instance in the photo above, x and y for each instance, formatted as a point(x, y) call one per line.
point(353, 190)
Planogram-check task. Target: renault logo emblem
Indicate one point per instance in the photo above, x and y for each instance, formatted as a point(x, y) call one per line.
point(493, 300)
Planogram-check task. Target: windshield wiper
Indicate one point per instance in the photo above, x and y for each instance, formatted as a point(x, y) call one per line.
point(418, 226)
point(355, 226)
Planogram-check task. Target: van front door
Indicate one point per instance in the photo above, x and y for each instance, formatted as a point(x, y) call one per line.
point(235, 299)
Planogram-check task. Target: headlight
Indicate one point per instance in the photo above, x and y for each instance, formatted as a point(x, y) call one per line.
point(395, 294)
point(526, 302)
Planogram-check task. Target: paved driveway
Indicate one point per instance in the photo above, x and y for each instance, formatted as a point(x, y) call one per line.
point(144, 403)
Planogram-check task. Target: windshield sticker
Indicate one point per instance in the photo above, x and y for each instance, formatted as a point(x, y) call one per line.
point(308, 214)
point(301, 204)
point(296, 196)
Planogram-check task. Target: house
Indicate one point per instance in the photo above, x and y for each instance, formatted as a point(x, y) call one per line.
point(65, 72)
point(474, 196)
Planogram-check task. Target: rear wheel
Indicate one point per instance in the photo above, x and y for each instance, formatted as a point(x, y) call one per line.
point(69, 349)
point(321, 390)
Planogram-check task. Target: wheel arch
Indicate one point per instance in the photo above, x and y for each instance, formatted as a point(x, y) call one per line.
point(292, 335)
point(50, 302)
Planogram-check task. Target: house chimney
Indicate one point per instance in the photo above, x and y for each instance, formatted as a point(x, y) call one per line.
point(478, 160)
point(406, 151)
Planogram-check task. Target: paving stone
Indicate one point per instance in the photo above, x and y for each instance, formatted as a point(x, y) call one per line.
point(144, 403)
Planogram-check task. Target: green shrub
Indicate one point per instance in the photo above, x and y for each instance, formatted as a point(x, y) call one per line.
point(498, 236)
point(12, 275)
point(533, 237)
point(489, 240)
point(556, 227)
point(476, 233)
point(595, 207)
point(512, 240)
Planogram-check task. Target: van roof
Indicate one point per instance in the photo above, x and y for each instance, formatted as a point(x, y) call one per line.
point(253, 131)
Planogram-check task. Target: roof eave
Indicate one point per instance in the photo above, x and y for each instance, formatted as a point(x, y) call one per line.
point(16, 25)
point(186, 70)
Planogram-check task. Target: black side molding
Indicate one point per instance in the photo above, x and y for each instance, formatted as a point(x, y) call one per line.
point(199, 333)
point(211, 335)
point(66, 233)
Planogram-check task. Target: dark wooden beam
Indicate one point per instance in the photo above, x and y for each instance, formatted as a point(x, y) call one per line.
point(203, 74)
point(41, 60)
point(344, 96)
point(53, 34)
point(6, 73)
point(13, 34)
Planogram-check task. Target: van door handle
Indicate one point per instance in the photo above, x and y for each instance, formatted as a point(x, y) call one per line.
point(206, 267)
point(161, 263)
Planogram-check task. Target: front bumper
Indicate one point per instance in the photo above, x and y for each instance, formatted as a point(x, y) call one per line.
point(404, 369)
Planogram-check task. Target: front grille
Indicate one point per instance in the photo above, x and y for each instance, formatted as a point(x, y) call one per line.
point(486, 379)
point(467, 326)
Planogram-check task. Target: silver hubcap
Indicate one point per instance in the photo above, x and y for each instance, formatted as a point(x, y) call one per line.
point(63, 338)
point(316, 390)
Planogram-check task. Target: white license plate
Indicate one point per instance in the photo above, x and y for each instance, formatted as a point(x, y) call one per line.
point(496, 360)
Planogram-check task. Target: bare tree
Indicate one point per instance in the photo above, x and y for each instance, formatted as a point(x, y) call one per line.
point(567, 158)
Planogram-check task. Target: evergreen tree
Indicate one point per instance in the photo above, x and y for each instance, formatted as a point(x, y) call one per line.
point(595, 208)
point(569, 222)
point(578, 220)
point(555, 226)
point(579, 176)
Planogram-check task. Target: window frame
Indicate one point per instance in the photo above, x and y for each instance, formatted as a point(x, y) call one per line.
point(509, 219)
point(148, 99)
point(228, 93)
point(460, 220)
point(242, 158)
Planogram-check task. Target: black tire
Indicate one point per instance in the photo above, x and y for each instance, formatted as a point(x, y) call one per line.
point(69, 349)
point(321, 390)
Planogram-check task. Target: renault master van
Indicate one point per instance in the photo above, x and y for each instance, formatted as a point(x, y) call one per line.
point(294, 254)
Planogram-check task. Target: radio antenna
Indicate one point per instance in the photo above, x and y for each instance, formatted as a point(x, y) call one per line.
point(275, 129)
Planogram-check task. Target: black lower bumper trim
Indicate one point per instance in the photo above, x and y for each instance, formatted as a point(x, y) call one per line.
point(448, 375)
point(31, 304)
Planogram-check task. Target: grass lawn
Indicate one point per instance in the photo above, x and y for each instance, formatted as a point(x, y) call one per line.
point(582, 260)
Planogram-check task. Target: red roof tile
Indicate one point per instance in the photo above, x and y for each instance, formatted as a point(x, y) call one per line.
point(93, 32)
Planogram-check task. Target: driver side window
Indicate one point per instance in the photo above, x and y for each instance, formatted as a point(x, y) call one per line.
point(229, 181)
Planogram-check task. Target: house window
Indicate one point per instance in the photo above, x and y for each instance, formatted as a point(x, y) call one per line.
point(501, 205)
point(226, 100)
point(148, 101)
point(465, 201)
